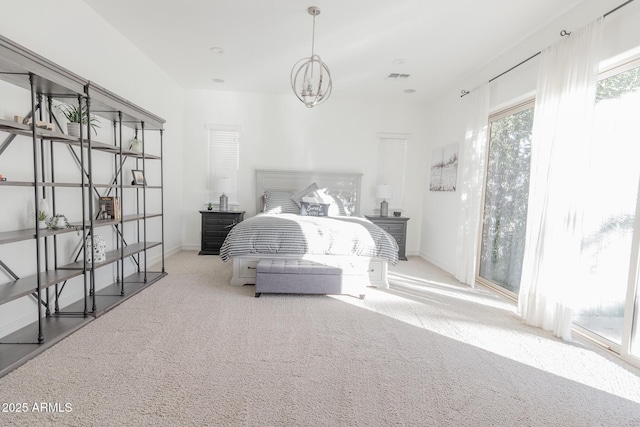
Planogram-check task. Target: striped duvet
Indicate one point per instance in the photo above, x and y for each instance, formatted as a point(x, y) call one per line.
point(293, 234)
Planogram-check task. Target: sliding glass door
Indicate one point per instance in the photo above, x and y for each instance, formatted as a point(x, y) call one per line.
point(609, 218)
point(607, 304)
point(505, 201)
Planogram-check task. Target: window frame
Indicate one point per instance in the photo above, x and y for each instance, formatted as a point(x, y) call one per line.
point(517, 107)
point(386, 169)
point(213, 177)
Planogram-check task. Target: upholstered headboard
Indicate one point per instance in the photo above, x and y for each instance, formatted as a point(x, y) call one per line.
point(345, 186)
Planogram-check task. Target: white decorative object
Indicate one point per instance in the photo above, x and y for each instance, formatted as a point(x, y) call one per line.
point(135, 145)
point(99, 249)
point(43, 206)
point(57, 222)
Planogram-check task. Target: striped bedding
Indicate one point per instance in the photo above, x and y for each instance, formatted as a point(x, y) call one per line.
point(293, 234)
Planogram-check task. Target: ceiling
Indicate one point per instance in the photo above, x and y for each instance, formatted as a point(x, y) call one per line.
point(436, 42)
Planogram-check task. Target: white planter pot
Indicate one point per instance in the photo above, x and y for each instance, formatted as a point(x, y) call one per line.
point(73, 129)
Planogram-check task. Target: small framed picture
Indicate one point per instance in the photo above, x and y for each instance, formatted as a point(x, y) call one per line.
point(138, 177)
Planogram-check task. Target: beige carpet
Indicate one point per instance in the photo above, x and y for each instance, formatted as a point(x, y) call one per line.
point(191, 350)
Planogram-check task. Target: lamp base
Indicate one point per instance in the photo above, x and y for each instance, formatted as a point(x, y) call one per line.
point(384, 208)
point(224, 200)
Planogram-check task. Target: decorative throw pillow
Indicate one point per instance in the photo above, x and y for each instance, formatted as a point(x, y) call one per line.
point(297, 197)
point(337, 206)
point(277, 202)
point(314, 209)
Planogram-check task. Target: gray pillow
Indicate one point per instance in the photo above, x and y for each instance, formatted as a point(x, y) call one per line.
point(297, 197)
point(277, 202)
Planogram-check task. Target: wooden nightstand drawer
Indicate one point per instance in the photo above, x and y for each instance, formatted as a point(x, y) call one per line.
point(396, 227)
point(222, 221)
point(392, 228)
point(215, 227)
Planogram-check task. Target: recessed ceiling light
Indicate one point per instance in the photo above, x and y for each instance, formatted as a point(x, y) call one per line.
point(217, 50)
point(218, 80)
point(409, 90)
point(398, 61)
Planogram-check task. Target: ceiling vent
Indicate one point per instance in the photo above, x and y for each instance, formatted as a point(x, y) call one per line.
point(397, 76)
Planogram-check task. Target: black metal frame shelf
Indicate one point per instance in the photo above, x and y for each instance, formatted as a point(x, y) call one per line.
point(29, 233)
point(111, 256)
point(48, 82)
point(28, 285)
point(26, 130)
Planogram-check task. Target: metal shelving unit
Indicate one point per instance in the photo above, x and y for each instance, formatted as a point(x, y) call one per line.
point(47, 83)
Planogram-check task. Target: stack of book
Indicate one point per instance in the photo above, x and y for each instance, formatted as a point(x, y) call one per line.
point(110, 208)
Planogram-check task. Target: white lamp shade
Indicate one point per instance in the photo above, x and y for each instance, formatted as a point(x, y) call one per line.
point(225, 185)
point(384, 191)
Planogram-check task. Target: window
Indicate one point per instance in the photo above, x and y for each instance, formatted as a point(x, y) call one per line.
point(505, 198)
point(392, 153)
point(223, 161)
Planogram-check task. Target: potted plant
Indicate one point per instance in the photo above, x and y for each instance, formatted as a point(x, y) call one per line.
point(58, 221)
point(76, 117)
point(209, 206)
point(42, 218)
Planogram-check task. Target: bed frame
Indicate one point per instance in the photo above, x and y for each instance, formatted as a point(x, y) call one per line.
point(345, 185)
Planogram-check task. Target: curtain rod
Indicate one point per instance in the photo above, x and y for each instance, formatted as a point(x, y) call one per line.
point(562, 34)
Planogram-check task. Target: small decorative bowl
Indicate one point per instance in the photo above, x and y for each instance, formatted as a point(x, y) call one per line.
point(397, 214)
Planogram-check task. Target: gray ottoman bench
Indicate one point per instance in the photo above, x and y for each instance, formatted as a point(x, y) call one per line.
point(300, 276)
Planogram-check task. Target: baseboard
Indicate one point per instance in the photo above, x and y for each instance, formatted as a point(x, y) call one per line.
point(438, 263)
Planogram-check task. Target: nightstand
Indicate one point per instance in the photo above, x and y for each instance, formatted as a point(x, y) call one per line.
point(215, 227)
point(397, 227)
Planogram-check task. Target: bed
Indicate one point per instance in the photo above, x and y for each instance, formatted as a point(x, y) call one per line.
point(311, 216)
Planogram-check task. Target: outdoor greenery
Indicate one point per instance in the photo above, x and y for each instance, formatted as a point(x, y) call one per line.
point(506, 196)
point(618, 84)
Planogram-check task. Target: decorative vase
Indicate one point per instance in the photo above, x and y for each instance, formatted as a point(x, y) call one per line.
point(384, 208)
point(224, 203)
point(135, 145)
point(99, 249)
point(73, 129)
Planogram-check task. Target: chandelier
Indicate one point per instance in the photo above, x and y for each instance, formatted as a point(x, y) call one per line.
point(310, 77)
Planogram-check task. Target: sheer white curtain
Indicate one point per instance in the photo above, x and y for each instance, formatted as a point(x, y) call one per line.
point(560, 153)
point(471, 166)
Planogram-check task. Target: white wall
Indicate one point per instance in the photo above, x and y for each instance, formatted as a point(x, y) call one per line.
point(446, 114)
point(279, 132)
point(72, 35)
